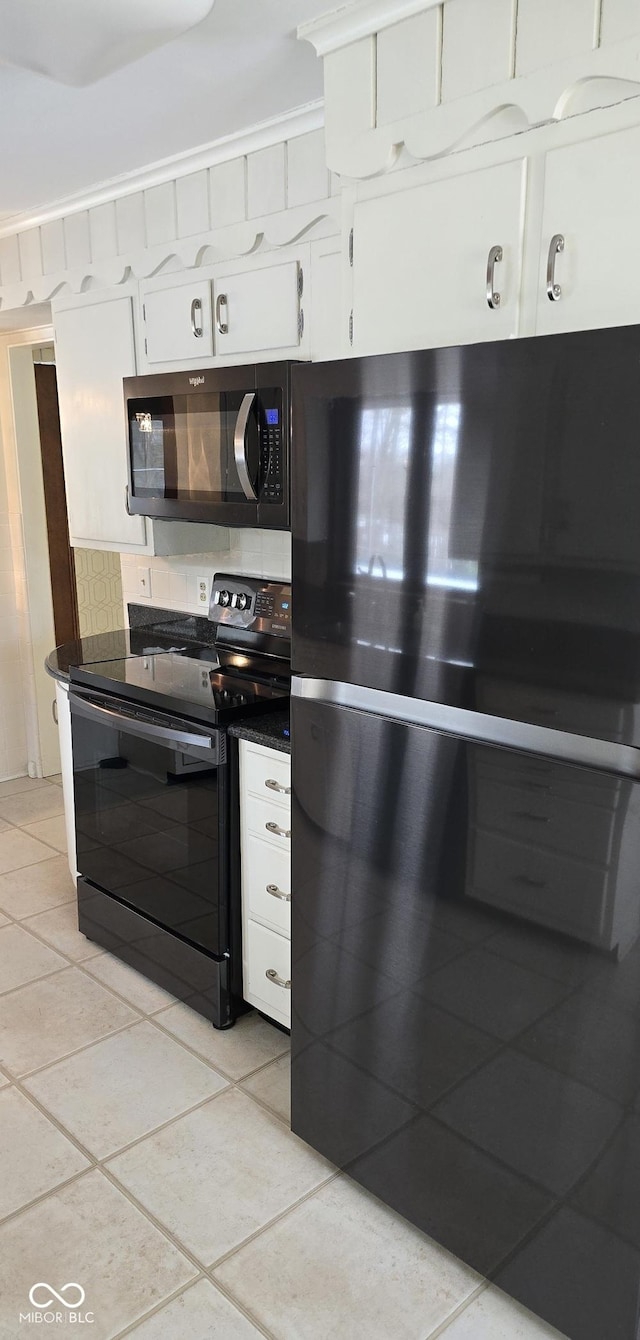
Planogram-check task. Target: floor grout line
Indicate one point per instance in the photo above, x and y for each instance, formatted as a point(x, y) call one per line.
point(128, 1330)
point(457, 1311)
point(246, 1242)
point(200, 1055)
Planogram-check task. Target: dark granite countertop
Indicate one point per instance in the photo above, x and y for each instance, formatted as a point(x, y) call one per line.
point(150, 629)
point(267, 730)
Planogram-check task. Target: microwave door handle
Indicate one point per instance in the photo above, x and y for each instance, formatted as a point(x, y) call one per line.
point(240, 446)
point(148, 730)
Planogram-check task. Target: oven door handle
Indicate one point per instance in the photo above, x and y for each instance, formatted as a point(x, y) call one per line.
point(149, 730)
point(240, 446)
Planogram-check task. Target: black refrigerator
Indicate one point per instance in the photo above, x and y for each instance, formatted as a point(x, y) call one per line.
point(466, 803)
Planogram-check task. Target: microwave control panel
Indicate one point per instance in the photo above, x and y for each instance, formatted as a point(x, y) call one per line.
point(272, 481)
point(251, 603)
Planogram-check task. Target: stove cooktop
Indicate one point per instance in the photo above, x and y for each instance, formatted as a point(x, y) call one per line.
point(212, 689)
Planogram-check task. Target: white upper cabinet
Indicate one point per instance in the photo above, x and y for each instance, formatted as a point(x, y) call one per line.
point(259, 309)
point(253, 307)
point(421, 258)
point(590, 203)
point(94, 351)
point(177, 322)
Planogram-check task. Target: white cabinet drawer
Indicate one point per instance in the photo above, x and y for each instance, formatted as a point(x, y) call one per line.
point(267, 884)
point(268, 821)
point(268, 775)
point(266, 953)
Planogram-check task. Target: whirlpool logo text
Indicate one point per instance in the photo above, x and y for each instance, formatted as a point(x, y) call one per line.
point(43, 1298)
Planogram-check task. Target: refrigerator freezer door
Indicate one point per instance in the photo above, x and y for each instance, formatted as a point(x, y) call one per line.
point(465, 527)
point(466, 1000)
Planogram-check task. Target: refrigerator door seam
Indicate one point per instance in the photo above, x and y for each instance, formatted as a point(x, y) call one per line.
point(583, 750)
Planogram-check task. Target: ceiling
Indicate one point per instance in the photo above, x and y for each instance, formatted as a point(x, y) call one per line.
point(241, 65)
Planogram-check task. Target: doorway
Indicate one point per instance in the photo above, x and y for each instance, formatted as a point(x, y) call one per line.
point(64, 593)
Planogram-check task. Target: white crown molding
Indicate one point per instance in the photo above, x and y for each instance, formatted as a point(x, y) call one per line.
point(287, 126)
point(351, 22)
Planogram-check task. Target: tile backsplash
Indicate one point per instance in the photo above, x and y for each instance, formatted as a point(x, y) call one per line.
point(173, 583)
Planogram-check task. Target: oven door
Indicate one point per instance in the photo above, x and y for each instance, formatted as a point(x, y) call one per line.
point(151, 799)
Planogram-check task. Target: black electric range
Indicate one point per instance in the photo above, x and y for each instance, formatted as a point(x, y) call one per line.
point(156, 794)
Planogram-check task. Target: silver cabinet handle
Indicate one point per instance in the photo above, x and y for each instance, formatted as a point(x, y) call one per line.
point(278, 981)
point(554, 290)
point(240, 446)
point(278, 893)
point(196, 325)
point(273, 785)
point(222, 327)
point(275, 828)
point(493, 297)
point(54, 710)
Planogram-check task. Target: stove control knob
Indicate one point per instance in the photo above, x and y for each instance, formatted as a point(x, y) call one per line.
point(242, 600)
point(225, 598)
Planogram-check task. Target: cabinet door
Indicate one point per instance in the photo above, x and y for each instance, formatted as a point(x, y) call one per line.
point(420, 262)
point(94, 351)
point(258, 309)
point(328, 325)
point(178, 323)
point(590, 200)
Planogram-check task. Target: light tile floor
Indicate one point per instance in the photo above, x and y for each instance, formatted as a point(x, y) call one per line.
point(149, 1158)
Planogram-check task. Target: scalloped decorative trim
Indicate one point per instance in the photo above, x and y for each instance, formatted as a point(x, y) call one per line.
point(570, 88)
point(224, 244)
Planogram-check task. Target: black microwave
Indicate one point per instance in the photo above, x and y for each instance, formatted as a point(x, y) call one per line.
point(211, 445)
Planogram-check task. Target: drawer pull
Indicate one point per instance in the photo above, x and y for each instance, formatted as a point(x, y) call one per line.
point(532, 818)
point(277, 981)
point(275, 828)
point(278, 893)
point(273, 785)
point(530, 882)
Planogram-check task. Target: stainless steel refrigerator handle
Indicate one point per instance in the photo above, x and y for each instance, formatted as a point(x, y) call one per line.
point(149, 730)
point(240, 446)
point(623, 760)
point(278, 893)
point(222, 327)
point(196, 311)
point(554, 291)
point(493, 297)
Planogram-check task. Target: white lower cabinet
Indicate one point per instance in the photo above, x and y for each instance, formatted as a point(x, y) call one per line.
point(265, 853)
point(63, 717)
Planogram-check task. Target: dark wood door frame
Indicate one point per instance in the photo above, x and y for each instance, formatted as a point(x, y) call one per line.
point(61, 563)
